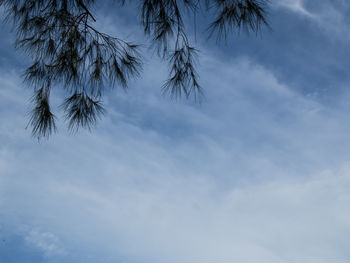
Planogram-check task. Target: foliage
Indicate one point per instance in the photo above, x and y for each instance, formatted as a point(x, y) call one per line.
point(69, 52)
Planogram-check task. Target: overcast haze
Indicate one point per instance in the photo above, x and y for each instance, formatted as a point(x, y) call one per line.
point(258, 172)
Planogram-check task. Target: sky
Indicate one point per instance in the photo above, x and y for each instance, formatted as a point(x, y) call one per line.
point(257, 172)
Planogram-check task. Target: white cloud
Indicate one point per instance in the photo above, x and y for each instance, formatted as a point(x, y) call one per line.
point(296, 6)
point(329, 16)
point(253, 176)
point(47, 242)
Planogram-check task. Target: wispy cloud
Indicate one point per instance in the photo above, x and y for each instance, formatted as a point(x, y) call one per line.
point(250, 175)
point(296, 6)
point(47, 242)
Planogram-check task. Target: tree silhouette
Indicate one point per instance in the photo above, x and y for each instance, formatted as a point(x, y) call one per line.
point(69, 52)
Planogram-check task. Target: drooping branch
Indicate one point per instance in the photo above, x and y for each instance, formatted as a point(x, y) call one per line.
point(163, 21)
point(69, 52)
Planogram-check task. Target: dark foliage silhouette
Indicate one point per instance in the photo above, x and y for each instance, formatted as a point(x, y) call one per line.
point(69, 52)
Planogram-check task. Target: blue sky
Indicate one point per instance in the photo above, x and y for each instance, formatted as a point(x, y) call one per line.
point(259, 172)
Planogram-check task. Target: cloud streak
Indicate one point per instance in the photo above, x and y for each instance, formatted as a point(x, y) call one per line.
point(247, 180)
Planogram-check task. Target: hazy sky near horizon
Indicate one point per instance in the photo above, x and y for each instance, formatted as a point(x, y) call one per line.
point(258, 172)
